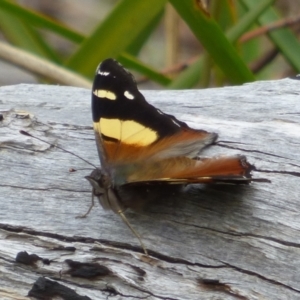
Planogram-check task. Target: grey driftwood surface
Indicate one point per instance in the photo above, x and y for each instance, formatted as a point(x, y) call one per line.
point(209, 242)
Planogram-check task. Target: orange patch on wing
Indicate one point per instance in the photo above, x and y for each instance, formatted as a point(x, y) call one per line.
point(191, 170)
point(186, 142)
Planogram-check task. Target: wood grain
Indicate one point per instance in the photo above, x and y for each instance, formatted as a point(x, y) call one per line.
point(206, 242)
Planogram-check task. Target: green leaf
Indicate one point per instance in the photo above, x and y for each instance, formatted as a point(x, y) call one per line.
point(247, 20)
point(42, 21)
point(192, 75)
point(213, 39)
point(131, 62)
point(135, 47)
point(189, 77)
point(22, 35)
point(124, 24)
point(283, 38)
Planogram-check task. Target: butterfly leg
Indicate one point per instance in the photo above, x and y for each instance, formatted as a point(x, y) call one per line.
point(90, 208)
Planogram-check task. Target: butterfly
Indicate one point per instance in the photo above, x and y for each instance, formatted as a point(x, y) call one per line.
point(139, 145)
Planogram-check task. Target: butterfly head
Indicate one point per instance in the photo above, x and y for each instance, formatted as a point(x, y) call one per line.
point(103, 189)
point(99, 182)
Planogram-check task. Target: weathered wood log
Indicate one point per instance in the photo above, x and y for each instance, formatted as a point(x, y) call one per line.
point(207, 242)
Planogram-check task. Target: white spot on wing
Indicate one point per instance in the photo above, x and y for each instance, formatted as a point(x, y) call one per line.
point(103, 73)
point(128, 95)
point(105, 94)
point(176, 123)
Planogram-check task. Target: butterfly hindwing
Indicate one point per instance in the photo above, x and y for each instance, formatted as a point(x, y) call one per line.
point(184, 170)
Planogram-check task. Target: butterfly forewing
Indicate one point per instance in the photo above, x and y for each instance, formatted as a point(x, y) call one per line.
point(130, 129)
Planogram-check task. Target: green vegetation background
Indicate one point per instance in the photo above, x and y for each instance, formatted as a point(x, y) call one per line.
point(129, 25)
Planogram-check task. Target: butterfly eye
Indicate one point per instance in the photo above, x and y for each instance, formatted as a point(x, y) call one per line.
point(98, 189)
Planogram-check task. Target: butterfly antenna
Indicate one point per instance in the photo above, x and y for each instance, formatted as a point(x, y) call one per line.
point(67, 151)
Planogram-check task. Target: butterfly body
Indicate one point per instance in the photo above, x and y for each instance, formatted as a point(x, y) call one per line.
point(139, 145)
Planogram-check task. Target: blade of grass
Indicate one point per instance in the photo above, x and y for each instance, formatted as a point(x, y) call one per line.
point(189, 77)
point(224, 13)
point(115, 33)
point(213, 39)
point(183, 80)
point(36, 19)
point(234, 33)
point(131, 62)
point(18, 33)
point(135, 47)
point(41, 67)
point(283, 38)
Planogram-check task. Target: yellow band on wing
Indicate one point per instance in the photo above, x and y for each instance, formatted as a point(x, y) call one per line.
point(129, 132)
point(105, 94)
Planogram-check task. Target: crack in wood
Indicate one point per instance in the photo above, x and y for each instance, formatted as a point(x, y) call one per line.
point(44, 189)
point(22, 229)
point(242, 234)
point(217, 285)
point(162, 257)
point(292, 173)
point(249, 151)
point(24, 187)
point(252, 273)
